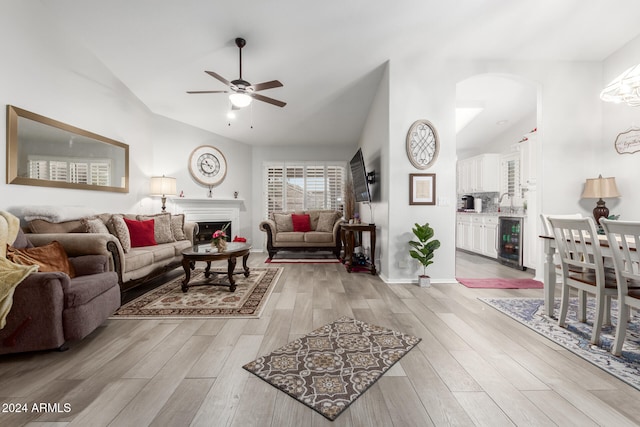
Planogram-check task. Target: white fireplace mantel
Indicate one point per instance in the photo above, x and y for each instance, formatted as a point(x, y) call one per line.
point(207, 209)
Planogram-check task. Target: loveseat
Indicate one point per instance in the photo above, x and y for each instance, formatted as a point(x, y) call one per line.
point(136, 256)
point(51, 308)
point(313, 230)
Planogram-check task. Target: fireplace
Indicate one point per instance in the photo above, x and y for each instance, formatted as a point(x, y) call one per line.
point(211, 215)
point(207, 228)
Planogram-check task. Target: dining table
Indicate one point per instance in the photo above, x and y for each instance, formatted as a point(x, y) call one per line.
point(549, 271)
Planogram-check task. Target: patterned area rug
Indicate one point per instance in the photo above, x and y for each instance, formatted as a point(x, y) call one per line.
point(575, 338)
point(331, 367)
point(168, 300)
point(500, 283)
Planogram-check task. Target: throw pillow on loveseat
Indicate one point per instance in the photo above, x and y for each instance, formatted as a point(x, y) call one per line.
point(289, 231)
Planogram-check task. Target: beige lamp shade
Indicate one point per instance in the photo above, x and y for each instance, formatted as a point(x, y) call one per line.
point(600, 188)
point(163, 186)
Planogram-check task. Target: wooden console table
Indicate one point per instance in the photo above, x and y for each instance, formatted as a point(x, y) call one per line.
point(352, 233)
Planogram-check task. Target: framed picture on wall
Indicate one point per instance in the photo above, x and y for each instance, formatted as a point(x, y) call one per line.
point(422, 189)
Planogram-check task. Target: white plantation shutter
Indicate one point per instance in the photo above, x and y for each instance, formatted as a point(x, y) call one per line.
point(38, 169)
point(335, 187)
point(314, 187)
point(274, 190)
point(294, 188)
point(100, 173)
point(300, 186)
point(79, 173)
point(58, 171)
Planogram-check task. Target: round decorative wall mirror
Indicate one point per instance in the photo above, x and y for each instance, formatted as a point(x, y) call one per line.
point(422, 144)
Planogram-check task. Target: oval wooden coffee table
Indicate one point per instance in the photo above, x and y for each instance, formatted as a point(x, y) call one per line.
point(208, 254)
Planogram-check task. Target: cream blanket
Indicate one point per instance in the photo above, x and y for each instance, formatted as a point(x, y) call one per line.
point(10, 274)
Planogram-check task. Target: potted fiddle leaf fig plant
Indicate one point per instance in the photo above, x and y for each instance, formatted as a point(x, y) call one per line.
point(423, 249)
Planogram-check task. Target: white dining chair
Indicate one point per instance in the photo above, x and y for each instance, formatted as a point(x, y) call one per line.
point(624, 239)
point(583, 270)
point(546, 226)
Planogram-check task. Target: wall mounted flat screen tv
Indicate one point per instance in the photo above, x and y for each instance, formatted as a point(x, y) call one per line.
point(359, 177)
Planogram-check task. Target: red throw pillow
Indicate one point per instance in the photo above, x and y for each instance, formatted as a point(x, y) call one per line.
point(141, 232)
point(301, 222)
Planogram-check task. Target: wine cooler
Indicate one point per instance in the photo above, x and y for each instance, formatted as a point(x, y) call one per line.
point(510, 242)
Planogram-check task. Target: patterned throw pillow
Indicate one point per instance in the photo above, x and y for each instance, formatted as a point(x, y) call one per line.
point(162, 227)
point(283, 222)
point(94, 225)
point(326, 221)
point(121, 231)
point(177, 227)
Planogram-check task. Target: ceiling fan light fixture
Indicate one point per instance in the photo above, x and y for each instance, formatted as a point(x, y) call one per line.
point(240, 100)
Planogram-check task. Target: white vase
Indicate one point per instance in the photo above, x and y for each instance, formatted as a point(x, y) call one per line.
point(424, 281)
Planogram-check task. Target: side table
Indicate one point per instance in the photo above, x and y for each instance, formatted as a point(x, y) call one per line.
point(352, 233)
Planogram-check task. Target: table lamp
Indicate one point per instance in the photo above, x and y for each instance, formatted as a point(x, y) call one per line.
point(163, 186)
point(600, 188)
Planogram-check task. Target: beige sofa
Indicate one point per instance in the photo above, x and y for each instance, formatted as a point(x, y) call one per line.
point(108, 234)
point(323, 233)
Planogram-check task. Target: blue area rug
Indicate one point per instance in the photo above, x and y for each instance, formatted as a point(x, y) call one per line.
point(575, 338)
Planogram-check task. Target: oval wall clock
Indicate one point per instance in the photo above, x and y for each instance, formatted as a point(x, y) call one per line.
point(207, 165)
point(422, 144)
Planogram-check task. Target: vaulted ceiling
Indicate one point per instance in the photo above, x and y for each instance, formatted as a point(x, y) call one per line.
point(328, 54)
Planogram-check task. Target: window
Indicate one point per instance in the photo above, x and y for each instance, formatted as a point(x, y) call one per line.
point(79, 171)
point(296, 186)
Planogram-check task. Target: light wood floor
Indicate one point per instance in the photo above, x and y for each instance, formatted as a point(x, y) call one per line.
point(474, 366)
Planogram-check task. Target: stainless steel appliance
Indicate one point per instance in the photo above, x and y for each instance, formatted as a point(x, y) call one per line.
point(510, 241)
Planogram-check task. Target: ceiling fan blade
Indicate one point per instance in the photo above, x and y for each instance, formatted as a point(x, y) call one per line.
point(219, 77)
point(267, 85)
point(269, 100)
point(207, 91)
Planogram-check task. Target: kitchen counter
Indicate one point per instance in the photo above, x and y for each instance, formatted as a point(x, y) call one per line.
point(517, 215)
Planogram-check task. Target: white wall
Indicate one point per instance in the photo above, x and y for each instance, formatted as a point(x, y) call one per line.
point(49, 73)
point(374, 143)
point(619, 118)
point(173, 143)
point(569, 126)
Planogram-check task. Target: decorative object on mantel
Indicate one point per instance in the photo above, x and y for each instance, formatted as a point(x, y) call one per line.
point(422, 189)
point(219, 239)
point(628, 142)
point(422, 144)
point(624, 88)
point(600, 188)
point(163, 186)
point(208, 166)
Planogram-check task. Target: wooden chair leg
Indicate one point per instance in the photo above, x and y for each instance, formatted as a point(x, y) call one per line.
point(621, 329)
point(597, 321)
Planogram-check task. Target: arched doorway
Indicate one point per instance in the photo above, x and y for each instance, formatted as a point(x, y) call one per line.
point(498, 152)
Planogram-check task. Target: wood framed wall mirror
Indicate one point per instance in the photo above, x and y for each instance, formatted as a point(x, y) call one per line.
point(48, 153)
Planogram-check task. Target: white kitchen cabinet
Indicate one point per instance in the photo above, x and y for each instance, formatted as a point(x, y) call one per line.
point(477, 227)
point(464, 232)
point(490, 248)
point(479, 174)
point(477, 233)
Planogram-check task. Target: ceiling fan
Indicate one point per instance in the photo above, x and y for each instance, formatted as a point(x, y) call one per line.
point(242, 92)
